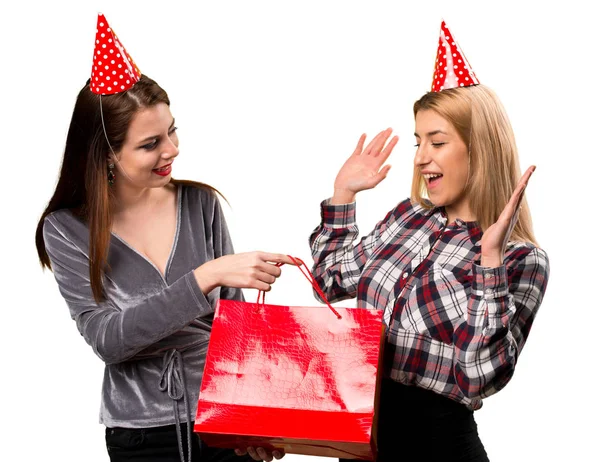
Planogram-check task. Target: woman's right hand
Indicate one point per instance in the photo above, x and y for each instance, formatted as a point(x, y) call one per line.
point(363, 169)
point(251, 270)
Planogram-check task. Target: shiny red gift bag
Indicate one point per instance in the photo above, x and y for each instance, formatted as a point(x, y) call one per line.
point(302, 379)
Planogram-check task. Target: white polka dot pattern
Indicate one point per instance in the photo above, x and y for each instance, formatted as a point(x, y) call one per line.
point(451, 67)
point(113, 70)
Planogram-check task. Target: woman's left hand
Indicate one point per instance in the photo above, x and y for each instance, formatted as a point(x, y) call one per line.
point(495, 238)
point(261, 453)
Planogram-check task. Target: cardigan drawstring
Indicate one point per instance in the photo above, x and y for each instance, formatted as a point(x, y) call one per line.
point(172, 380)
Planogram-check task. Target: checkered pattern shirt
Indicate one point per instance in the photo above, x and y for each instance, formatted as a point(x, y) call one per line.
point(453, 326)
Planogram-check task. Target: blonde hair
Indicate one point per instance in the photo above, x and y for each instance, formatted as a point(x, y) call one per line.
point(481, 121)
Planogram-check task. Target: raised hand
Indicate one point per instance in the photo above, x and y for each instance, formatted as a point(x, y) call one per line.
point(251, 270)
point(495, 238)
point(363, 169)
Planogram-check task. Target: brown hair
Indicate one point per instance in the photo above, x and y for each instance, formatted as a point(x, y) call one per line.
point(82, 184)
point(482, 123)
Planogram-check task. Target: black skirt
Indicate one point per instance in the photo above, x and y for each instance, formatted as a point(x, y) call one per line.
point(419, 425)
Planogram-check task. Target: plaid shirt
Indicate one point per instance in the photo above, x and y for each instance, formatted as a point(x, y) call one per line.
point(453, 326)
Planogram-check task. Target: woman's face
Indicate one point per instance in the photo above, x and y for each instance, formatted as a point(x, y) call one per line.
point(442, 158)
point(150, 146)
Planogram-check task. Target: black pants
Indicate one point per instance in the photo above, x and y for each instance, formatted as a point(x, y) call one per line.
point(159, 444)
point(420, 425)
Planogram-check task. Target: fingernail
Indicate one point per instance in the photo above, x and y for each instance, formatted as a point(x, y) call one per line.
point(277, 454)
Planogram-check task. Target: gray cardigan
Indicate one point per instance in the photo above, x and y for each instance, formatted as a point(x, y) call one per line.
point(151, 329)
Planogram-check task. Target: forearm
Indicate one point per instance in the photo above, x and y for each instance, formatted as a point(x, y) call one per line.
point(485, 349)
point(207, 277)
point(503, 304)
point(117, 335)
point(336, 266)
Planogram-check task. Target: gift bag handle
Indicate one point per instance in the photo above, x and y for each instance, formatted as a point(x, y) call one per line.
point(308, 275)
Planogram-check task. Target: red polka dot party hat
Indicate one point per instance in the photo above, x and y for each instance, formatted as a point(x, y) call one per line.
point(113, 70)
point(451, 67)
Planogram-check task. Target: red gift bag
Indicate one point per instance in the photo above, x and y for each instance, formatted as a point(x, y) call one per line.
point(302, 379)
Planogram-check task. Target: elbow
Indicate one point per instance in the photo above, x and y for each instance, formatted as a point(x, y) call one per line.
point(111, 355)
point(318, 296)
point(320, 290)
point(108, 347)
point(332, 296)
point(332, 289)
point(111, 359)
point(104, 332)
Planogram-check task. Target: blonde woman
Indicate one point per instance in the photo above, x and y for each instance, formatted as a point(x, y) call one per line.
point(455, 268)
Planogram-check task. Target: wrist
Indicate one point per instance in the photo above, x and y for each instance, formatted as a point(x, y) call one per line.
point(491, 261)
point(206, 277)
point(342, 196)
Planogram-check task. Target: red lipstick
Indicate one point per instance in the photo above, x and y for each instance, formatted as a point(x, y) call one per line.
point(163, 171)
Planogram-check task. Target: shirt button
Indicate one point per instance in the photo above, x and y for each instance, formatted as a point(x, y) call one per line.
point(489, 275)
point(404, 276)
point(488, 291)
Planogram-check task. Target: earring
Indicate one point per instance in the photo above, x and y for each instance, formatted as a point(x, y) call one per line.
point(111, 174)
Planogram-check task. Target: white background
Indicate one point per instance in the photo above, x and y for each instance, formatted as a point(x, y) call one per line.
point(270, 98)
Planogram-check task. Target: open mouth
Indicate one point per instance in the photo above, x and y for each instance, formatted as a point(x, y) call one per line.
point(432, 178)
point(163, 171)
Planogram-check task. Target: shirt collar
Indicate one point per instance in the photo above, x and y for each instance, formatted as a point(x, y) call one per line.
point(471, 227)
